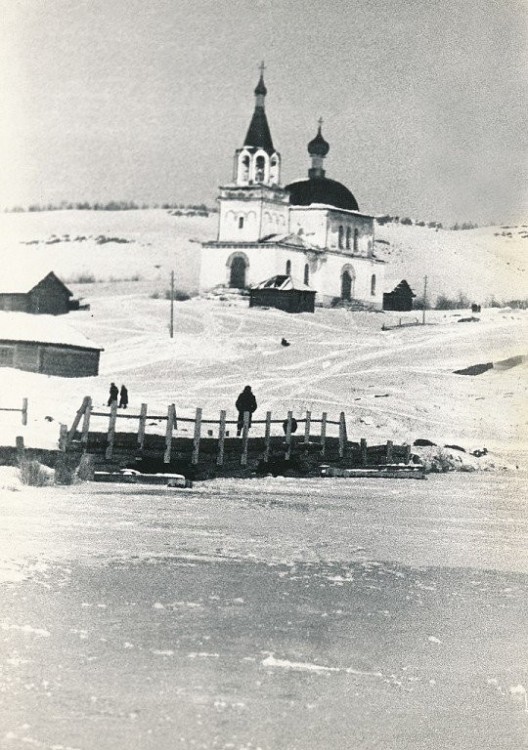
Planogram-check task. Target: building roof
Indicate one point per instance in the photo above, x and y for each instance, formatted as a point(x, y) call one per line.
point(323, 191)
point(41, 329)
point(283, 283)
point(259, 135)
point(22, 279)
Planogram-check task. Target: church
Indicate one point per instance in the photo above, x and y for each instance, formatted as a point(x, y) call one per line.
point(311, 229)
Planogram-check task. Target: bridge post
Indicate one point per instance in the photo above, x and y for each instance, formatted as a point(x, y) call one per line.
point(141, 428)
point(24, 411)
point(86, 423)
point(221, 439)
point(364, 455)
point(168, 433)
point(196, 439)
point(267, 436)
point(307, 427)
point(342, 435)
point(323, 433)
point(388, 452)
point(245, 433)
point(288, 435)
point(111, 430)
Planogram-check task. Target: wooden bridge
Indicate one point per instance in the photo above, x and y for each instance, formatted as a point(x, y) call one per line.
point(301, 445)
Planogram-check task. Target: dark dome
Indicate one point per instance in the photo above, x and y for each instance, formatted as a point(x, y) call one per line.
point(261, 87)
point(321, 190)
point(318, 146)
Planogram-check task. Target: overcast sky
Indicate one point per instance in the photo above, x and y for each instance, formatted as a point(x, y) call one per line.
point(424, 103)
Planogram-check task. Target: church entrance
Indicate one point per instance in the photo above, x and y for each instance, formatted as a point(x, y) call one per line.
point(346, 286)
point(237, 274)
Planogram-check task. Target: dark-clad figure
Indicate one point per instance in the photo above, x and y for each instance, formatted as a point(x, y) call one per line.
point(114, 393)
point(123, 397)
point(246, 402)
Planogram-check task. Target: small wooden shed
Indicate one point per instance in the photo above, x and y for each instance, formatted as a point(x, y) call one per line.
point(46, 345)
point(284, 293)
point(29, 290)
point(401, 298)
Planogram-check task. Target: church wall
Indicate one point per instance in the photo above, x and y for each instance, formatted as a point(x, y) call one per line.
point(258, 219)
point(262, 264)
point(310, 224)
point(328, 280)
point(356, 235)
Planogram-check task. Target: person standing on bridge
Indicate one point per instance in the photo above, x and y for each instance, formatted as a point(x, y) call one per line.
point(246, 402)
point(114, 393)
point(123, 397)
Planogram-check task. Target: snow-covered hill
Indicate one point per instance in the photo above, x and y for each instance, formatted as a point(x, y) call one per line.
point(148, 244)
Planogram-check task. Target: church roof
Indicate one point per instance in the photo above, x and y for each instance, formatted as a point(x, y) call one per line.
point(323, 191)
point(259, 135)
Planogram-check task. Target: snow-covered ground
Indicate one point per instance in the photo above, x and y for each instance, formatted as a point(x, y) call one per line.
point(272, 614)
point(392, 384)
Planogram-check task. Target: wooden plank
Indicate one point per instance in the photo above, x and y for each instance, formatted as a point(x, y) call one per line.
point(78, 416)
point(288, 435)
point(142, 426)
point(245, 434)
point(221, 439)
point(86, 424)
point(24, 411)
point(307, 427)
point(388, 452)
point(363, 448)
point(342, 435)
point(267, 436)
point(63, 437)
point(111, 431)
point(323, 433)
point(20, 448)
point(168, 434)
point(196, 439)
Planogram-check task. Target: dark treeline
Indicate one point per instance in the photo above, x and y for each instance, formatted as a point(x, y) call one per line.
point(405, 220)
point(184, 208)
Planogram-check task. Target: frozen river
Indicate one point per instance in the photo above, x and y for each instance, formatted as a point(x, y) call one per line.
point(274, 614)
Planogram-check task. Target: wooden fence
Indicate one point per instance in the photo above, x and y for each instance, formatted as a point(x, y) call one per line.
point(79, 435)
point(23, 410)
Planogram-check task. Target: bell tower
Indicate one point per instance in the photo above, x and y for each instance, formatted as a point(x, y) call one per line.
point(257, 162)
point(254, 205)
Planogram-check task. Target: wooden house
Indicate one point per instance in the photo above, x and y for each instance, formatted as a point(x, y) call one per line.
point(284, 293)
point(401, 298)
point(46, 345)
point(33, 291)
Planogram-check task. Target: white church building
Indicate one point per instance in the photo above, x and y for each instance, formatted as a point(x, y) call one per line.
point(311, 229)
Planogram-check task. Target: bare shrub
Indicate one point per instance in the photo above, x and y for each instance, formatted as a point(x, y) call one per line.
point(35, 474)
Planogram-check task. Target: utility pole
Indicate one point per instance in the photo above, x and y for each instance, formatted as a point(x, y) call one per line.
point(424, 300)
point(172, 305)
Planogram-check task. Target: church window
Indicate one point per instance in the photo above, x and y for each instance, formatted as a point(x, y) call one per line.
point(356, 234)
point(260, 163)
point(307, 274)
point(245, 168)
point(240, 222)
point(340, 237)
point(288, 268)
point(348, 236)
point(373, 285)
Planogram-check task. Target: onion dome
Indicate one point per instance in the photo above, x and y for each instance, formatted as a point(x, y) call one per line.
point(323, 191)
point(318, 146)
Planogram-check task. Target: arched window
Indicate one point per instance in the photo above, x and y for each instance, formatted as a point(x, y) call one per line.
point(307, 274)
point(348, 236)
point(288, 268)
point(245, 168)
point(240, 222)
point(356, 234)
point(260, 164)
point(274, 169)
point(373, 285)
point(340, 237)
